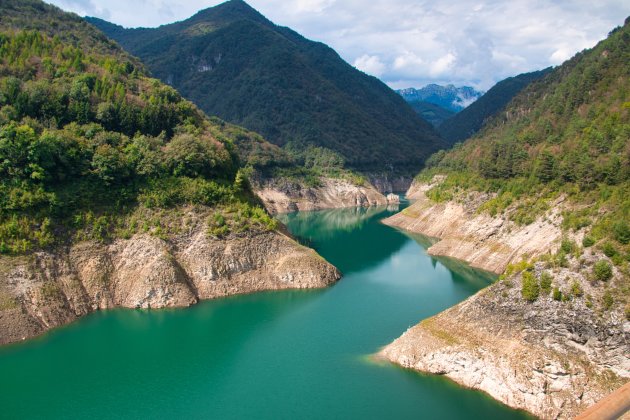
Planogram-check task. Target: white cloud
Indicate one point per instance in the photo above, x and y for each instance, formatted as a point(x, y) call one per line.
point(415, 42)
point(370, 64)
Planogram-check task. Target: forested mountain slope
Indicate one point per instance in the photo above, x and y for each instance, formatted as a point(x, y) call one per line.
point(234, 63)
point(467, 122)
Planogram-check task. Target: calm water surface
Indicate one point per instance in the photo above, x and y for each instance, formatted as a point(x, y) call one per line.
point(276, 355)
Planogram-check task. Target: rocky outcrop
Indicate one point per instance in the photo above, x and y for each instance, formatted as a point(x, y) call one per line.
point(393, 198)
point(49, 289)
point(553, 358)
point(554, 354)
point(488, 243)
point(283, 196)
point(390, 184)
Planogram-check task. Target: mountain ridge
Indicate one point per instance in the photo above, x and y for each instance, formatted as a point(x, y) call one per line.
point(272, 80)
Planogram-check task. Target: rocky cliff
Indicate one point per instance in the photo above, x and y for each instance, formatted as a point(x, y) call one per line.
point(283, 195)
point(551, 353)
point(488, 243)
point(48, 289)
point(553, 358)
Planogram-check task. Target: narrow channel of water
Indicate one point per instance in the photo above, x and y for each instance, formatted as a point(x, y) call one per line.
point(275, 355)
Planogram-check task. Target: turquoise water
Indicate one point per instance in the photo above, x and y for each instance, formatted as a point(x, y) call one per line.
point(275, 355)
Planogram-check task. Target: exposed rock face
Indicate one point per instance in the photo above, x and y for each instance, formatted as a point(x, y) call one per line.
point(390, 184)
point(488, 243)
point(49, 289)
point(282, 196)
point(393, 198)
point(551, 358)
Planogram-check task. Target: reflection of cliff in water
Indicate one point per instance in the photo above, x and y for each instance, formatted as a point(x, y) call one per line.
point(328, 223)
point(461, 271)
point(350, 238)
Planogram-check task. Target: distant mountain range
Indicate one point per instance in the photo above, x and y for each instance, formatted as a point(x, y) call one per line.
point(448, 97)
point(234, 63)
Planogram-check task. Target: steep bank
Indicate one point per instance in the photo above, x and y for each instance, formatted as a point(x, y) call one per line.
point(552, 354)
point(553, 358)
point(48, 289)
point(390, 184)
point(284, 195)
point(488, 243)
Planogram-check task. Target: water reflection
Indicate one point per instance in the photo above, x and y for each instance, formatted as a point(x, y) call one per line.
point(351, 239)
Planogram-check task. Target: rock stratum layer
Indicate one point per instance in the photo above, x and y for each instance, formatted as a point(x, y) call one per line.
point(283, 196)
point(550, 358)
point(49, 289)
point(485, 242)
point(553, 357)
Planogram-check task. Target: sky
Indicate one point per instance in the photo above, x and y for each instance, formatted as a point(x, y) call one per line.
point(411, 43)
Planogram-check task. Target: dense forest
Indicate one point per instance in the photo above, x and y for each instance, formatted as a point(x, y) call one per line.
point(567, 136)
point(234, 63)
point(91, 147)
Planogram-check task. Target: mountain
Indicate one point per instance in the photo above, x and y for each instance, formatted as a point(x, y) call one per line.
point(234, 63)
point(116, 191)
point(433, 114)
point(468, 121)
point(541, 196)
point(448, 97)
point(87, 138)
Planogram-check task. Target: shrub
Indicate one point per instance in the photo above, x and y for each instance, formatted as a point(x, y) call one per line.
point(602, 270)
point(557, 294)
point(588, 242)
point(545, 282)
point(607, 300)
point(567, 246)
point(609, 249)
point(530, 288)
point(576, 289)
point(621, 231)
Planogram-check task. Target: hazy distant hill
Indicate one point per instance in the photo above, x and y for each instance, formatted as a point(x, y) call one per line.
point(234, 63)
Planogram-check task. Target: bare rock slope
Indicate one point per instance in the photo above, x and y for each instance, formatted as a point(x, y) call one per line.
point(553, 354)
point(485, 242)
point(282, 196)
point(49, 289)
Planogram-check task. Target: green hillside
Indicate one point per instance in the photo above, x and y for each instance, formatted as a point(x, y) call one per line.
point(92, 148)
point(433, 114)
point(467, 122)
point(566, 135)
point(234, 63)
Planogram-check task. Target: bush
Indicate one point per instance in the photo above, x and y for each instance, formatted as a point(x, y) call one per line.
point(607, 300)
point(557, 294)
point(545, 282)
point(530, 288)
point(609, 249)
point(588, 242)
point(621, 231)
point(602, 270)
point(576, 289)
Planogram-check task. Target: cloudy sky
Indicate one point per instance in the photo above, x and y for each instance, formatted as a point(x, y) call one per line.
point(414, 42)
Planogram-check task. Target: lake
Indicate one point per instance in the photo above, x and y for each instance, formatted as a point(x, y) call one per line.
point(273, 355)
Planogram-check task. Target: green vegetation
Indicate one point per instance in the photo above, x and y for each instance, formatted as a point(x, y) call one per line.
point(470, 120)
point(564, 137)
point(602, 270)
point(545, 282)
point(232, 62)
point(86, 137)
point(530, 287)
point(432, 113)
